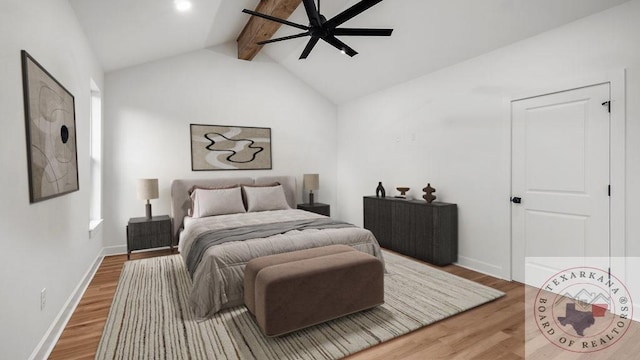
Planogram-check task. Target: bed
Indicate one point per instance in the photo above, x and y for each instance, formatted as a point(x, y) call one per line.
point(217, 270)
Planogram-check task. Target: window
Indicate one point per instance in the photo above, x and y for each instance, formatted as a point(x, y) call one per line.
point(95, 211)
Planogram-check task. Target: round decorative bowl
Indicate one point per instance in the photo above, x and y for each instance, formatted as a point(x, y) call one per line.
point(403, 190)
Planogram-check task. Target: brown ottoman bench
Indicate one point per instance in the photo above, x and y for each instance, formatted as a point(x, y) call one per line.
point(293, 295)
point(255, 265)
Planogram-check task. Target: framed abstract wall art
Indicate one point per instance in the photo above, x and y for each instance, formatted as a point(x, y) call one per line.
point(51, 133)
point(218, 147)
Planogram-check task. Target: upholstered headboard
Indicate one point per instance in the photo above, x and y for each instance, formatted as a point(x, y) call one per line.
point(181, 202)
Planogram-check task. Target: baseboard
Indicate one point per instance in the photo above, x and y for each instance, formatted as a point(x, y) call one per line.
point(480, 266)
point(122, 249)
point(48, 342)
point(114, 250)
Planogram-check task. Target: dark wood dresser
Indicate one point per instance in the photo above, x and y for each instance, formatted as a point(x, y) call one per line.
point(428, 232)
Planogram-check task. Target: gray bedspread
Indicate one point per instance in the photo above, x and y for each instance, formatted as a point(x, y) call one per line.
point(218, 279)
point(216, 237)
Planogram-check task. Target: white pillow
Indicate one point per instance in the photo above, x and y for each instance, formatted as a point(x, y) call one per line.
point(210, 202)
point(265, 198)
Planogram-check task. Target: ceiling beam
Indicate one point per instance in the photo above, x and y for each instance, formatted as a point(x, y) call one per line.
point(259, 29)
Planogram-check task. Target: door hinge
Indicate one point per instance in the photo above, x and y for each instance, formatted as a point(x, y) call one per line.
point(608, 105)
point(609, 190)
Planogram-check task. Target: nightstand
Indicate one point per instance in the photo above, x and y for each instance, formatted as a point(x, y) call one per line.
point(143, 233)
point(318, 208)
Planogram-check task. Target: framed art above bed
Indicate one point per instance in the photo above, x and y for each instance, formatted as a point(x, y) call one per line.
point(217, 147)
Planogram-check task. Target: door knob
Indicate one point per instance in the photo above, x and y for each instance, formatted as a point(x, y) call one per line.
point(516, 200)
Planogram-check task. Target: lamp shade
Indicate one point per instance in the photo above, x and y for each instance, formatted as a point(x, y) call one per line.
point(311, 181)
point(147, 189)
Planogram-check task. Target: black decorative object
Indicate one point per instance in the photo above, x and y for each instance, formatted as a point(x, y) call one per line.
point(428, 196)
point(380, 190)
point(403, 192)
point(327, 30)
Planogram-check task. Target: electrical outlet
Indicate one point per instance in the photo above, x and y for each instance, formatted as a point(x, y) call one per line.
point(43, 298)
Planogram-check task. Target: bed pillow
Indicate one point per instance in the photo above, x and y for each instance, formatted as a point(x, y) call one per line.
point(195, 187)
point(244, 193)
point(264, 198)
point(211, 202)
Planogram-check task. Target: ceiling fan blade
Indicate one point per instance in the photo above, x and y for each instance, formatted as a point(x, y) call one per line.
point(312, 42)
point(312, 12)
point(350, 13)
point(269, 17)
point(362, 32)
point(339, 45)
point(283, 38)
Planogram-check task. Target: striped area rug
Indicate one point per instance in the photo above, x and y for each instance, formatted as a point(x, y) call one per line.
point(150, 316)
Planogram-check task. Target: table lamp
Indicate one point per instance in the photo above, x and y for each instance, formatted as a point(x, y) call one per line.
point(311, 182)
point(147, 190)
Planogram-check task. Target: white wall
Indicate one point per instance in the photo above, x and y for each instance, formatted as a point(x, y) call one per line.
point(148, 109)
point(47, 244)
point(452, 128)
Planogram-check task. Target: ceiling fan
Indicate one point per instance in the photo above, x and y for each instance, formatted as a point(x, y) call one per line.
point(327, 30)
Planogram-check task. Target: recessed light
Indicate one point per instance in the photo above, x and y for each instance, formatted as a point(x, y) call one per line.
point(182, 5)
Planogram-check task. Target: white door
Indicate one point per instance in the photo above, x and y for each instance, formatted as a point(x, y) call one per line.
point(560, 172)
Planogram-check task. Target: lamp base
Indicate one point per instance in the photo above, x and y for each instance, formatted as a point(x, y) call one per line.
point(148, 208)
point(311, 197)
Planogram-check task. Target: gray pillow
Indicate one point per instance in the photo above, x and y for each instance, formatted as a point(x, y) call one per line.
point(211, 202)
point(265, 198)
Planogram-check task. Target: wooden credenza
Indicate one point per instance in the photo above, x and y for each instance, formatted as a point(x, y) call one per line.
point(428, 232)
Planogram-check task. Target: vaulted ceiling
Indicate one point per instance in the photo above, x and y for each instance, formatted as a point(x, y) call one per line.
point(428, 35)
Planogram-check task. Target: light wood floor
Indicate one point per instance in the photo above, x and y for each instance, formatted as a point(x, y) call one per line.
point(492, 331)
point(81, 336)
